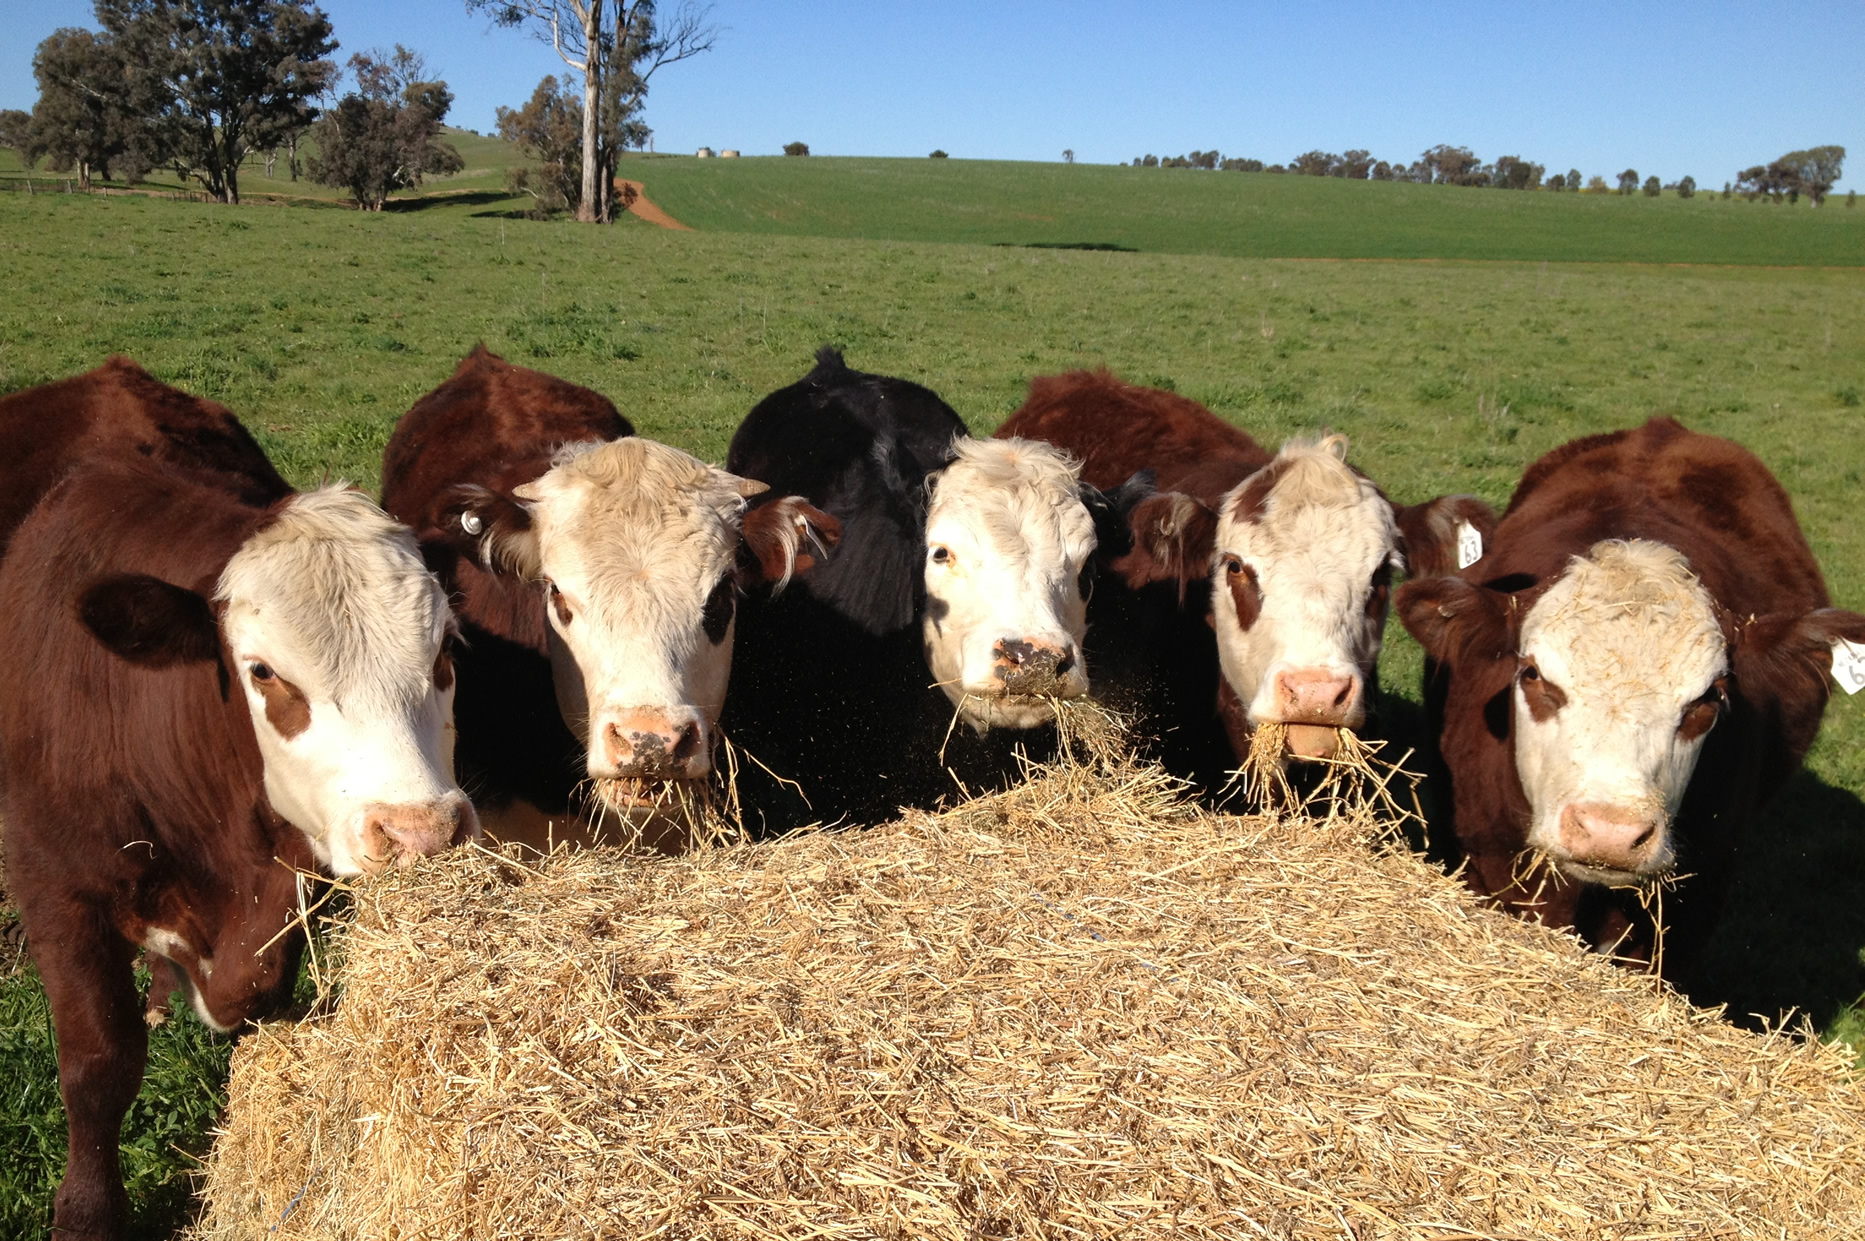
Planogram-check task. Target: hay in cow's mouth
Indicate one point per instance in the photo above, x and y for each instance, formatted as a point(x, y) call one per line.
point(1356, 776)
point(664, 816)
point(629, 793)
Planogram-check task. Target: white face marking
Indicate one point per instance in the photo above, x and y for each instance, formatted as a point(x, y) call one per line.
point(1299, 595)
point(1619, 683)
point(165, 943)
point(636, 543)
point(331, 608)
point(1007, 537)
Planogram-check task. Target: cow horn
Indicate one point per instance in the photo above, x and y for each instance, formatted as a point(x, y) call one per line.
point(748, 487)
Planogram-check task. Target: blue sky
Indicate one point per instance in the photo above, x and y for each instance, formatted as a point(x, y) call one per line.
point(1666, 88)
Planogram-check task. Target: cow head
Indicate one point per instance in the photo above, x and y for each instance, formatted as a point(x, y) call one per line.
point(1621, 671)
point(637, 550)
point(337, 635)
point(1304, 553)
point(1008, 543)
point(1620, 668)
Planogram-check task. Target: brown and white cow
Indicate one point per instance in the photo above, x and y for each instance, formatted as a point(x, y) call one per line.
point(1298, 547)
point(120, 410)
point(592, 566)
point(204, 697)
point(1638, 661)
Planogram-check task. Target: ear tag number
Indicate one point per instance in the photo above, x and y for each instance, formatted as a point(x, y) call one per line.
point(1849, 665)
point(1469, 545)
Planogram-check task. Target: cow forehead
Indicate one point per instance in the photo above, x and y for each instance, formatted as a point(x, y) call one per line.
point(1627, 623)
point(623, 513)
point(1307, 508)
point(336, 593)
point(1004, 492)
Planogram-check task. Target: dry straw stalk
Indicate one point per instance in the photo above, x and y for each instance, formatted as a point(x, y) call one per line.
point(1078, 1009)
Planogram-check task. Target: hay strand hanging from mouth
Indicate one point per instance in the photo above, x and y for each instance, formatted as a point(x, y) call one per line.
point(1356, 778)
point(1081, 1008)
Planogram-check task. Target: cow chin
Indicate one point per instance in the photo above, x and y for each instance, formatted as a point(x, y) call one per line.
point(1583, 872)
point(987, 711)
point(1313, 742)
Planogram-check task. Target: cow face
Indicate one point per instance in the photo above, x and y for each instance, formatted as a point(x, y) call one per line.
point(1622, 670)
point(635, 547)
point(1008, 540)
point(336, 635)
point(1301, 582)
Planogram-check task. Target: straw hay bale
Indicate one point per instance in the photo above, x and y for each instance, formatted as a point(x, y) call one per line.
point(1078, 1009)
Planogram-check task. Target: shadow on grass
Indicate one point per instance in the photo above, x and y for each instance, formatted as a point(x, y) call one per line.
point(464, 198)
point(1791, 936)
point(1067, 245)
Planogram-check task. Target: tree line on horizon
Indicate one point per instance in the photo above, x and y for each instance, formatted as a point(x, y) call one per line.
point(201, 86)
point(1811, 172)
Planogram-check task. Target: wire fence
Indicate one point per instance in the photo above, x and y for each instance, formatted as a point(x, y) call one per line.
point(69, 185)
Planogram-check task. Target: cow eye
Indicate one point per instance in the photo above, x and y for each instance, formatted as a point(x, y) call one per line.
point(1700, 716)
point(262, 673)
point(559, 605)
point(1530, 672)
point(1233, 565)
point(940, 554)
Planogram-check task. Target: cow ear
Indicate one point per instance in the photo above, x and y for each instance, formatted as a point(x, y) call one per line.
point(490, 530)
point(148, 621)
point(1783, 656)
point(789, 536)
point(1454, 620)
point(1439, 536)
point(1173, 536)
point(1108, 510)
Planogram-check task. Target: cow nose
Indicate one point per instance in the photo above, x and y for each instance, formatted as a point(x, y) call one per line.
point(402, 834)
point(1318, 696)
point(1032, 667)
point(649, 745)
point(1610, 837)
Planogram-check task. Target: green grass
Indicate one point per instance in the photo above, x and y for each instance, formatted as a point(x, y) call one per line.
point(164, 1136)
point(1240, 215)
point(320, 327)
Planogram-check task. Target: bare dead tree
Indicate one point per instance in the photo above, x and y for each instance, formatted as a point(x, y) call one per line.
point(616, 46)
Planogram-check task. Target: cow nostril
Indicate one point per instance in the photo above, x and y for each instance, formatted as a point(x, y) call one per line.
point(1346, 691)
point(1644, 838)
point(688, 743)
point(378, 844)
point(1065, 663)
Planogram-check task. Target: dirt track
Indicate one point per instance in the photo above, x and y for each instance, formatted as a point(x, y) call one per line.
point(644, 207)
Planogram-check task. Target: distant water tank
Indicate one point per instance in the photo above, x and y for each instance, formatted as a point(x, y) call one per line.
point(729, 153)
point(704, 152)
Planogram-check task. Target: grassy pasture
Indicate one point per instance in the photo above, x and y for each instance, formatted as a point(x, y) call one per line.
point(1238, 215)
point(320, 327)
